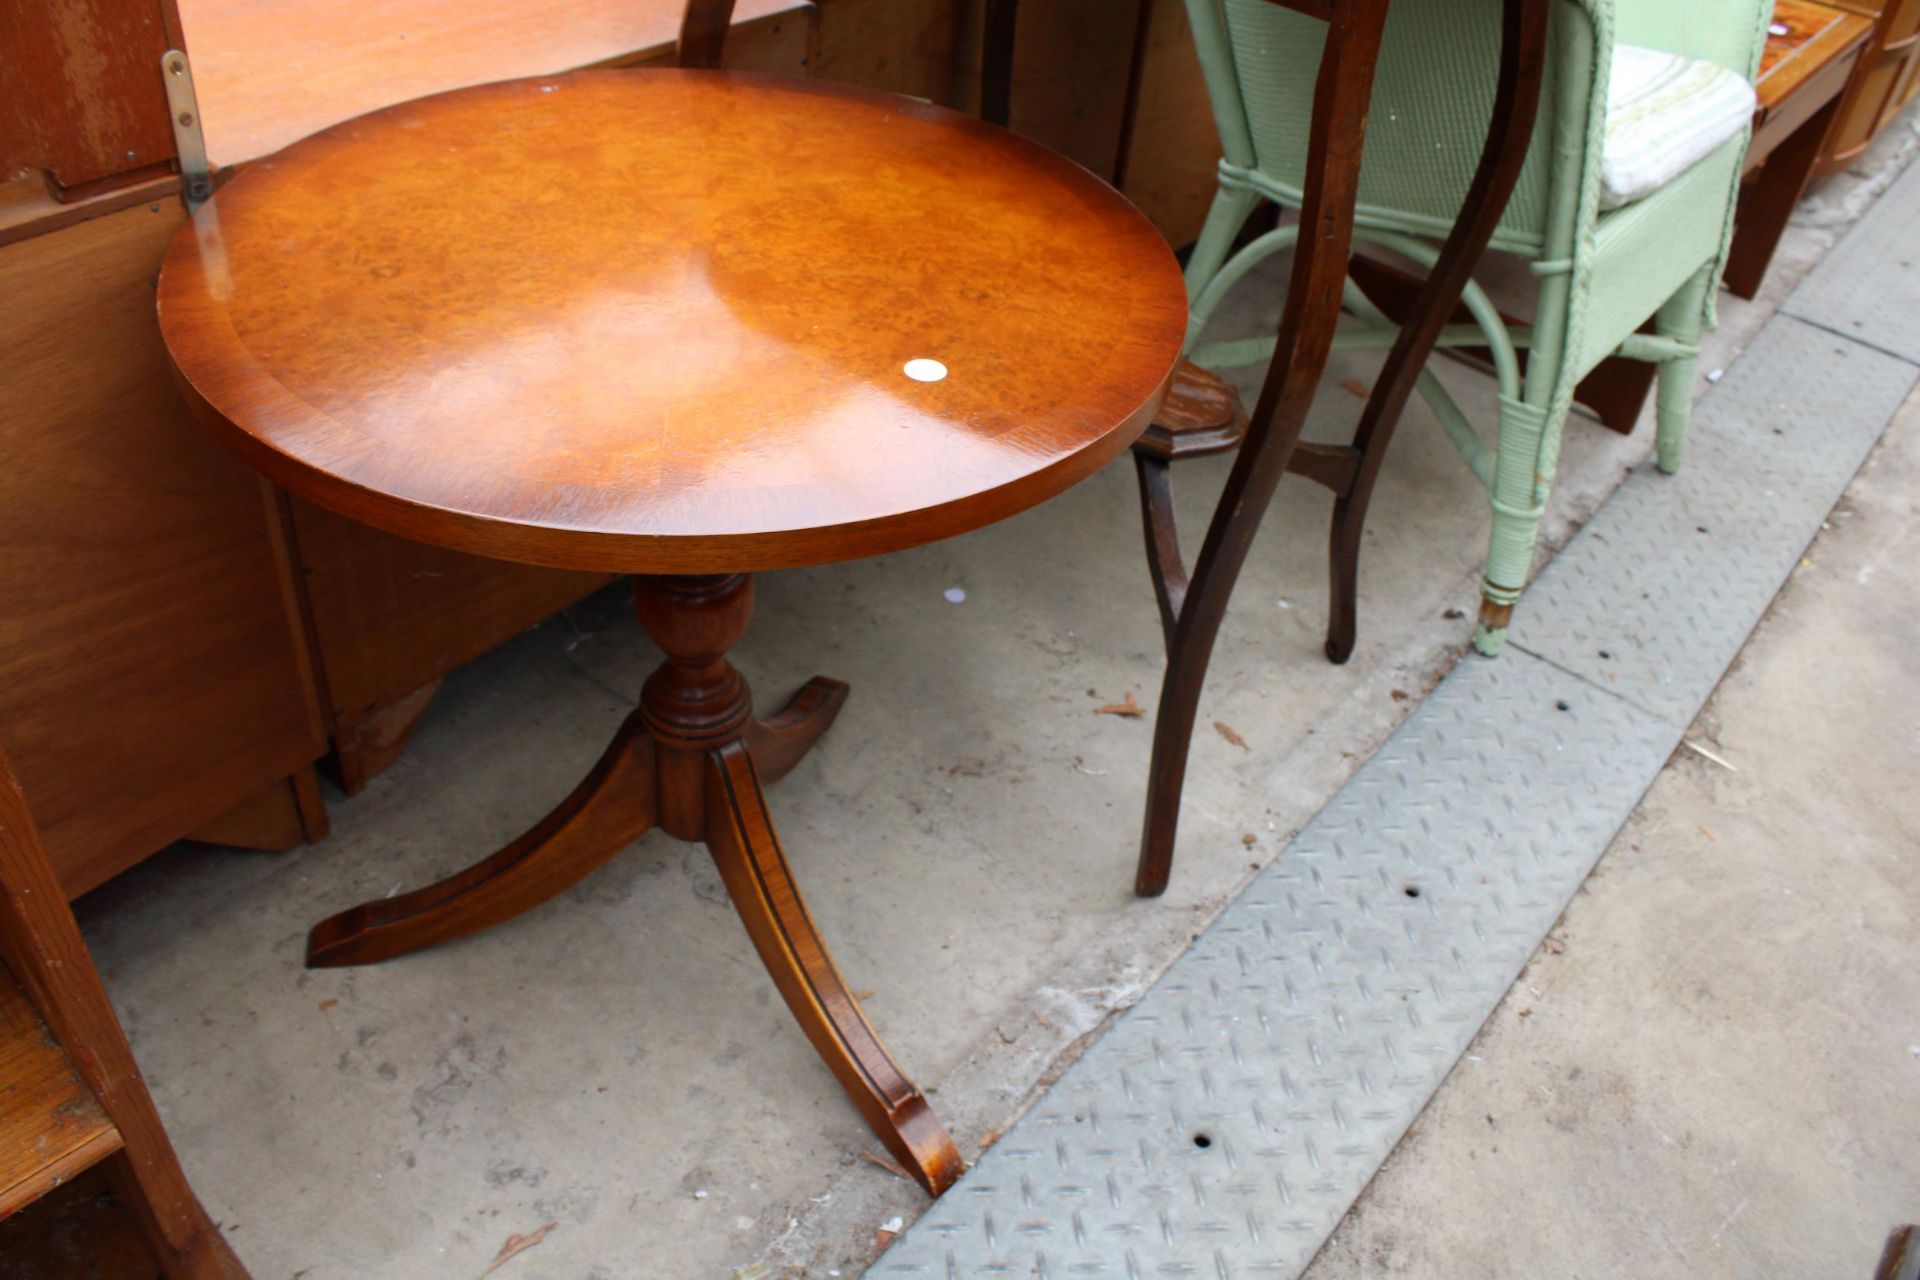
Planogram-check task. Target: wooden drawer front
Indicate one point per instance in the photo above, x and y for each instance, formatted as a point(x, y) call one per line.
point(152, 673)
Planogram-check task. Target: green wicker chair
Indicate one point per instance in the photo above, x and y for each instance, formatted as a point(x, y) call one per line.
point(1601, 275)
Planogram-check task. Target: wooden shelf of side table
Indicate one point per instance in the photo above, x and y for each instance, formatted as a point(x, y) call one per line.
point(71, 1096)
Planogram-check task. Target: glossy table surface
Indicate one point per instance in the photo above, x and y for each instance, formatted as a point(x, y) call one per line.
point(672, 321)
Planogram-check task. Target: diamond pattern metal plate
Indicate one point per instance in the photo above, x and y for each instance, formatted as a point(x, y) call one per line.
point(1222, 1126)
point(1868, 287)
point(1654, 597)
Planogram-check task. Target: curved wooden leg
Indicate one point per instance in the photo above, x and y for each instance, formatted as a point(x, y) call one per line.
point(747, 852)
point(610, 809)
point(1516, 103)
point(778, 744)
point(1343, 572)
point(1169, 572)
point(1300, 355)
point(1306, 334)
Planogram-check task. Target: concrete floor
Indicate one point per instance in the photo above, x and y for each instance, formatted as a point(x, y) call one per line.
point(616, 1062)
point(1711, 1067)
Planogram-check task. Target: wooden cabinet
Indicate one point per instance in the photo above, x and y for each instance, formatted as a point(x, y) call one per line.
point(153, 673)
point(1887, 79)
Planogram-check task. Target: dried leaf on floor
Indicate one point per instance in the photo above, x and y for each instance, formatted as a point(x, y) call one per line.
point(1225, 730)
point(1247, 839)
point(1398, 695)
point(515, 1246)
point(328, 1004)
point(1127, 707)
point(1355, 386)
point(883, 1162)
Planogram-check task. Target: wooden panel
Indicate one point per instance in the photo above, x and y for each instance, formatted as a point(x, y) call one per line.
point(884, 44)
point(1070, 65)
point(1072, 60)
point(82, 1229)
point(84, 99)
point(51, 1127)
point(281, 818)
point(1902, 42)
point(391, 615)
point(1882, 83)
point(1175, 152)
point(152, 672)
point(270, 74)
point(1863, 115)
point(782, 41)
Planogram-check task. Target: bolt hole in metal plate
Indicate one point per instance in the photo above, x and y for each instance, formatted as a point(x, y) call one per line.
point(1303, 1031)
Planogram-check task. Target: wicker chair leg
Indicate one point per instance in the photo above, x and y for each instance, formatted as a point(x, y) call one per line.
point(1681, 319)
point(1231, 208)
point(1519, 499)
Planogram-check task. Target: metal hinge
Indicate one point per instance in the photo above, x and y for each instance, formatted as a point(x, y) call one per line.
point(196, 175)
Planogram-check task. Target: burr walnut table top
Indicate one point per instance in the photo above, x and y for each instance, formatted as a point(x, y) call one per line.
point(672, 321)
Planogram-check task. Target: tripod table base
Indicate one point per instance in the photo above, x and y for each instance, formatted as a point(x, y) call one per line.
point(692, 760)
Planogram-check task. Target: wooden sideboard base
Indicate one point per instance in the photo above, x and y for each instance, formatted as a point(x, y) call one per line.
point(363, 749)
point(278, 819)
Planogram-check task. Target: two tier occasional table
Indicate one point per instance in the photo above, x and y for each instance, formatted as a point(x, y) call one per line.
point(687, 325)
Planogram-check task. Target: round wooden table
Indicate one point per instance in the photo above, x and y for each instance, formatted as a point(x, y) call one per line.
point(688, 325)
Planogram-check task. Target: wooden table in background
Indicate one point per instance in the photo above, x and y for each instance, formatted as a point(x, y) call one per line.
point(1811, 56)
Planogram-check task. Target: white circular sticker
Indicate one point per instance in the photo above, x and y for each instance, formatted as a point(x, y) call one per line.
point(924, 370)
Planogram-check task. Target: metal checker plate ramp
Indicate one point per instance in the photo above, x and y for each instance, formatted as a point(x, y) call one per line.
point(1868, 287)
point(1222, 1126)
point(1302, 1033)
point(1653, 599)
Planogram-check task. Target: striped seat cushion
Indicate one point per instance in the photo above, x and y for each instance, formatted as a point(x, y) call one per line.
point(1665, 114)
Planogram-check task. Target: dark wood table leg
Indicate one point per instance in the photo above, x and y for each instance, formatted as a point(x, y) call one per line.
point(690, 761)
point(1306, 335)
point(1767, 201)
point(997, 34)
